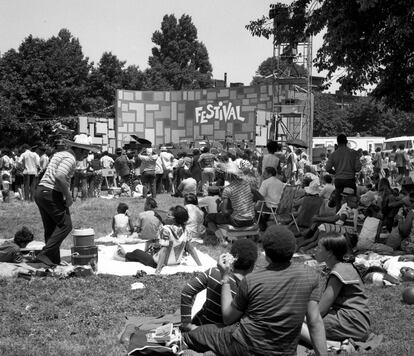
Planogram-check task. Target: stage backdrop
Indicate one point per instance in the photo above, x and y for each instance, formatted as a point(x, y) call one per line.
point(174, 116)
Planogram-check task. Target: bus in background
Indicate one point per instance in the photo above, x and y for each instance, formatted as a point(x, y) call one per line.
point(407, 141)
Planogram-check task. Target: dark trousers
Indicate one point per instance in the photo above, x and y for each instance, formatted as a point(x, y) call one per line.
point(29, 181)
point(214, 219)
point(340, 184)
point(141, 257)
point(56, 220)
point(148, 181)
point(216, 338)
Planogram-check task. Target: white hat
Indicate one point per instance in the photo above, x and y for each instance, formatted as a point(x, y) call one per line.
point(313, 188)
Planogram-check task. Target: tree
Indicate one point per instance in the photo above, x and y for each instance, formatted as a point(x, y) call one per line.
point(44, 79)
point(329, 119)
point(179, 61)
point(370, 40)
point(106, 78)
point(270, 66)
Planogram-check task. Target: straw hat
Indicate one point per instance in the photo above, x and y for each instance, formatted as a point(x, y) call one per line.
point(231, 168)
point(82, 141)
point(312, 188)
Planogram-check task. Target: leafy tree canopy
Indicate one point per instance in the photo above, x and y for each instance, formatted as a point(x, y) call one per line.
point(270, 67)
point(371, 41)
point(363, 116)
point(179, 60)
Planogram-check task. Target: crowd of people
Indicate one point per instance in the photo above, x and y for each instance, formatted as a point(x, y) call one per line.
point(348, 202)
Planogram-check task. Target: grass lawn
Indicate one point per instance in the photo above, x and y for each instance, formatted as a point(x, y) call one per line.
point(83, 316)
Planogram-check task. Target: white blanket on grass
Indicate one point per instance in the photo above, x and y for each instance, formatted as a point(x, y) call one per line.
point(107, 264)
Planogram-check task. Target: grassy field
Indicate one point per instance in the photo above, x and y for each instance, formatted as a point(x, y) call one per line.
point(83, 316)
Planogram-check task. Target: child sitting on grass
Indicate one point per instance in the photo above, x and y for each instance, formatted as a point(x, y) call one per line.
point(170, 247)
point(149, 221)
point(343, 305)
point(121, 222)
point(10, 250)
point(195, 228)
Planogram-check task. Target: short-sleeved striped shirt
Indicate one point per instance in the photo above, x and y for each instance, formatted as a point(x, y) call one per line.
point(274, 302)
point(241, 198)
point(62, 162)
point(210, 313)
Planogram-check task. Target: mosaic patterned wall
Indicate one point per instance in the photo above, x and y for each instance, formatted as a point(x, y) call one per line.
point(102, 131)
point(174, 116)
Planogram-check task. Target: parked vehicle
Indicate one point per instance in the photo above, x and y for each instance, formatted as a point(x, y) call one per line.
point(367, 143)
point(407, 141)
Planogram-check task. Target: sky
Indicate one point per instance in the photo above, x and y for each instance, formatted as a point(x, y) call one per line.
point(125, 28)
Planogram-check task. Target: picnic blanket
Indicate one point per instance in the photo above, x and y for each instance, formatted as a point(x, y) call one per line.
point(107, 264)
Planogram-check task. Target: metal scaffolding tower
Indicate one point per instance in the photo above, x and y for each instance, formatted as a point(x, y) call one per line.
point(292, 86)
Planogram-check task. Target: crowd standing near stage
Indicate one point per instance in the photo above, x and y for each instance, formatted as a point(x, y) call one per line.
point(346, 202)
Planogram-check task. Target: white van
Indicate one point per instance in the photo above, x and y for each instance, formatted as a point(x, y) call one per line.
point(407, 141)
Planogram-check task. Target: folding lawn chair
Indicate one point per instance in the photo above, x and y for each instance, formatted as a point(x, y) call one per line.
point(282, 213)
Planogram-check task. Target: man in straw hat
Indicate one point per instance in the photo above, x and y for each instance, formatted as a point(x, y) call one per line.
point(53, 197)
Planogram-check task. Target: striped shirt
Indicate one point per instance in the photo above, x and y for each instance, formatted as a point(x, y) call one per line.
point(210, 313)
point(241, 198)
point(63, 162)
point(274, 302)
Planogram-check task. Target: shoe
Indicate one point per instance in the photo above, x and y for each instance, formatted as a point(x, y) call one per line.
point(42, 258)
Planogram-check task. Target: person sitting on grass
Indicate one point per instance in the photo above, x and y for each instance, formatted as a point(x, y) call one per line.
point(245, 255)
point(344, 221)
point(149, 221)
point(343, 305)
point(10, 250)
point(121, 222)
point(194, 227)
point(212, 201)
point(187, 186)
point(169, 249)
point(265, 316)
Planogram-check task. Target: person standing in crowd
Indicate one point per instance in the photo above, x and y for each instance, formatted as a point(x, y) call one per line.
point(377, 161)
point(207, 162)
point(148, 162)
point(167, 159)
point(31, 167)
point(80, 180)
point(196, 169)
point(270, 159)
point(159, 173)
point(44, 161)
point(401, 162)
point(344, 163)
point(265, 317)
point(107, 162)
point(291, 167)
point(121, 165)
point(53, 198)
